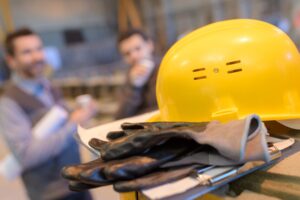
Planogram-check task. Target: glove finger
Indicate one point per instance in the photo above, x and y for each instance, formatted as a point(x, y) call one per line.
point(147, 125)
point(97, 144)
point(94, 176)
point(135, 126)
point(80, 187)
point(115, 135)
point(72, 172)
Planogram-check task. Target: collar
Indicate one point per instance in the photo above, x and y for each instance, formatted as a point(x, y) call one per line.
point(28, 85)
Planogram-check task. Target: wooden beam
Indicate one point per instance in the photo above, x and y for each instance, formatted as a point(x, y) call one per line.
point(6, 14)
point(133, 14)
point(161, 21)
point(2, 35)
point(128, 15)
point(122, 17)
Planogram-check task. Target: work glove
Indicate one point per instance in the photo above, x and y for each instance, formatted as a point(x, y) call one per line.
point(142, 148)
point(101, 173)
point(234, 140)
point(135, 138)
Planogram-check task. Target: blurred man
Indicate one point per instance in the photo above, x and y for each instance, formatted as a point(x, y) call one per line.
point(26, 99)
point(138, 96)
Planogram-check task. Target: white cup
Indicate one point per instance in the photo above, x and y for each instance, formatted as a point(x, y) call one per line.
point(140, 81)
point(83, 100)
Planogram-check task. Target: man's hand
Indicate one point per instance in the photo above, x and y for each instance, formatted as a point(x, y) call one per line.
point(137, 71)
point(141, 72)
point(84, 113)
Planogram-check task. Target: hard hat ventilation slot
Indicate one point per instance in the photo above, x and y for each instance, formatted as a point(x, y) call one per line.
point(200, 77)
point(233, 62)
point(199, 69)
point(234, 71)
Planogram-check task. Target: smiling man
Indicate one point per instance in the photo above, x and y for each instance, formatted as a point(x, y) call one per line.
point(27, 97)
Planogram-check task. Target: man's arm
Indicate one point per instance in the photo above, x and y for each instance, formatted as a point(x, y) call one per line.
point(130, 103)
point(28, 150)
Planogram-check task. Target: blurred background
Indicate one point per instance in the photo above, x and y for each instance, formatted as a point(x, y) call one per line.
point(80, 35)
point(80, 41)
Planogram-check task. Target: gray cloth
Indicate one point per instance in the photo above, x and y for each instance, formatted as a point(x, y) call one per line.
point(209, 157)
point(41, 160)
point(237, 140)
point(245, 141)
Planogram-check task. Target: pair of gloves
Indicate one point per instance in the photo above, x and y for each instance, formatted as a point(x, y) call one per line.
point(144, 155)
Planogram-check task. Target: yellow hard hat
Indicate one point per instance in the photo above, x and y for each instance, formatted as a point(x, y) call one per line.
point(228, 70)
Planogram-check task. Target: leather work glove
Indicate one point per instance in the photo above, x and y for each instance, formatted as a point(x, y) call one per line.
point(234, 140)
point(101, 173)
point(139, 137)
point(143, 152)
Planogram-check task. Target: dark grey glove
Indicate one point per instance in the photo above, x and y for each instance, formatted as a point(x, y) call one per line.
point(101, 173)
point(143, 148)
point(139, 137)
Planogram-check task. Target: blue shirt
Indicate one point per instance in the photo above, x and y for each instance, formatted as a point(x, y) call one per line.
point(37, 87)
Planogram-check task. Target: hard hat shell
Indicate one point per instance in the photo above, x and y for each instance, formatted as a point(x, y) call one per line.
point(228, 70)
